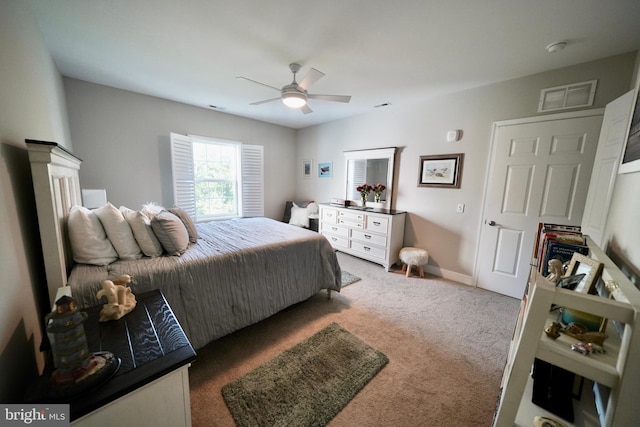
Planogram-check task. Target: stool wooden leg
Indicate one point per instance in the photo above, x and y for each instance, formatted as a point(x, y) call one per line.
point(408, 270)
point(421, 272)
point(404, 267)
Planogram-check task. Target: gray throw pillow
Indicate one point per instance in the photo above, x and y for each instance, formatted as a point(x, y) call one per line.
point(171, 232)
point(187, 221)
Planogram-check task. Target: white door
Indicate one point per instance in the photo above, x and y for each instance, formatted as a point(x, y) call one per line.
point(605, 166)
point(539, 172)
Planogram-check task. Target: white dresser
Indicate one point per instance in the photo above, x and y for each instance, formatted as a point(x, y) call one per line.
point(373, 234)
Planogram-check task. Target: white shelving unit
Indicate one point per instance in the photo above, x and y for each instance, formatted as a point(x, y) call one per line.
point(618, 368)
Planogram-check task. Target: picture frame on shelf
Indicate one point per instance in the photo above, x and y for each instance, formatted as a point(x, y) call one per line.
point(441, 170)
point(325, 170)
point(307, 169)
point(592, 269)
point(570, 282)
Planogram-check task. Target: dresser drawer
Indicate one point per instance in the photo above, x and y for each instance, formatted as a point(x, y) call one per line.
point(350, 223)
point(337, 241)
point(371, 251)
point(369, 238)
point(351, 216)
point(335, 230)
point(330, 216)
point(377, 224)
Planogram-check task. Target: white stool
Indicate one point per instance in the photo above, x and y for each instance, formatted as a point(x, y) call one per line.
point(413, 257)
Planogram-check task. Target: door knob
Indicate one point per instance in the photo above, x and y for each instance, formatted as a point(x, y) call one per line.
point(491, 223)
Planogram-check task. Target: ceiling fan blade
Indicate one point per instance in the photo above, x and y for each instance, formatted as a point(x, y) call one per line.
point(305, 109)
point(312, 76)
point(265, 101)
point(258, 83)
point(333, 98)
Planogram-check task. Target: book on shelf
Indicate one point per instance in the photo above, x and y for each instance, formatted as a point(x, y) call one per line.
point(555, 229)
point(558, 241)
point(562, 251)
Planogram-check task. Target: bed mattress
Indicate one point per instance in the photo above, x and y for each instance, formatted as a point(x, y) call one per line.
point(239, 272)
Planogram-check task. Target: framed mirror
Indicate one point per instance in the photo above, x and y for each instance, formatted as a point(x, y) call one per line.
point(375, 166)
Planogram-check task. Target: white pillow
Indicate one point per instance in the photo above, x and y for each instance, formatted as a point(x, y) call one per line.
point(141, 226)
point(171, 232)
point(151, 209)
point(299, 216)
point(312, 208)
point(89, 242)
point(118, 232)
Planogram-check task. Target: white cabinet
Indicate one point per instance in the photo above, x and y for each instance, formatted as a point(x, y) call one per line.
point(618, 368)
point(376, 235)
point(164, 401)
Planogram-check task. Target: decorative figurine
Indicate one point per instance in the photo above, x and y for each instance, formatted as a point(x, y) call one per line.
point(76, 368)
point(120, 299)
point(70, 350)
point(553, 330)
point(555, 270)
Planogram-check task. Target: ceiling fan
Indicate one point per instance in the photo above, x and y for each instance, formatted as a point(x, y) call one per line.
point(295, 95)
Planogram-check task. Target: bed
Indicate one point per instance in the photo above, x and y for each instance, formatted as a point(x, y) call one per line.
point(237, 273)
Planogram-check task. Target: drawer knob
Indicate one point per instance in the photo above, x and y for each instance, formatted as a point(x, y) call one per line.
point(366, 248)
point(376, 223)
point(367, 236)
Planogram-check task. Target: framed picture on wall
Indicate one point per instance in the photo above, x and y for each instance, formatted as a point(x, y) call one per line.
point(441, 170)
point(307, 168)
point(631, 154)
point(325, 170)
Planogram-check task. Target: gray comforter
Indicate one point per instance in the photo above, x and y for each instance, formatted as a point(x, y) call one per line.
point(238, 273)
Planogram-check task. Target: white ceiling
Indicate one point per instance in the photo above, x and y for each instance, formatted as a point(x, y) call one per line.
point(377, 51)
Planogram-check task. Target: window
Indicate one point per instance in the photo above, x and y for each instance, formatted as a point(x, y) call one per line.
point(217, 179)
point(568, 96)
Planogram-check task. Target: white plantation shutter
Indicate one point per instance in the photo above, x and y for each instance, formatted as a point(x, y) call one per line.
point(182, 170)
point(251, 198)
point(252, 181)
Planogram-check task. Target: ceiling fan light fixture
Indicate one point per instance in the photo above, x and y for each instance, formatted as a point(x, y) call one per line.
point(294, 99)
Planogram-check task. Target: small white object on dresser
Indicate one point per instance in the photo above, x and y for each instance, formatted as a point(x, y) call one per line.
point(374, 234)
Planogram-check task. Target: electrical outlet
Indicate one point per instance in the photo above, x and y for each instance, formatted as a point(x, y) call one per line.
point(460, 208)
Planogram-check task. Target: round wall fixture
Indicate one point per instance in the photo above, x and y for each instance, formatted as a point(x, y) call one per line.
point(556, 47)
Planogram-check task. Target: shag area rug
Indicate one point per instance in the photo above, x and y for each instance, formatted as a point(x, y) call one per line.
point(348, 278)
point(306, 385)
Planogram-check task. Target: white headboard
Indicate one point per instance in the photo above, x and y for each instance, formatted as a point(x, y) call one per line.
point(57, 188)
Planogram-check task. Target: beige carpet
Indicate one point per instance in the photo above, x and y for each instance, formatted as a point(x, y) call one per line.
point(446, 343)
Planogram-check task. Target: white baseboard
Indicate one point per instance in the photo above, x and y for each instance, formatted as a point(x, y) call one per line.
point(448, 274)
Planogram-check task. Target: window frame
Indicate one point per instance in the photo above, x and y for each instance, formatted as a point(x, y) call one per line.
point(250, 181)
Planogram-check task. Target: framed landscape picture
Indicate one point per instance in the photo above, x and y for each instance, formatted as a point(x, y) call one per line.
point(307, 167)
point(441, 170)
point(325, 170)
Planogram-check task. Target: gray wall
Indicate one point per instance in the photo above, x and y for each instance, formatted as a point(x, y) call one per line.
point(123, 138)
point(421, 128)
point(32, 106)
